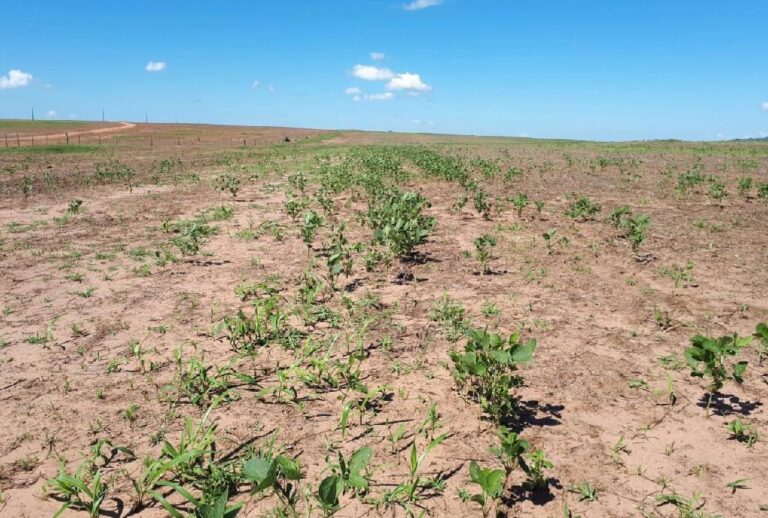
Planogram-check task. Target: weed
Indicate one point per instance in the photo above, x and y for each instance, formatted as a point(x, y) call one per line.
point(737, 484)
point(83, 490)
point(131, 414)
point(86, 293)
point(408, 493)
point(586, 491)
point(762, 191)
point(743, 432)
point(228, 181)
point(687, 507)
point(681, 274)
point(745, 186)
point(451, 315)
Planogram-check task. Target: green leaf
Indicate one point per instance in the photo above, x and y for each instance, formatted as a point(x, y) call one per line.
point(360, 459)
point(738, 371)
point(259, 470)
point(523, 353)
point(330, 490)
point(289, 467)
point(475, 475)
point(495, 483)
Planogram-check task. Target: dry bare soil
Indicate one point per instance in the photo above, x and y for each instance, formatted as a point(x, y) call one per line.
point(232, 313)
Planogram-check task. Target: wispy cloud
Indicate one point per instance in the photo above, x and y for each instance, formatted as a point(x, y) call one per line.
point(765, 106)
point(372, 73)
point(353, 90)
point(156, 66)
point(51, 113)
point(377, 56)
point(15, 79)
point(408, 81)
point(386, 96)
point(255, 84)
point(421, 4)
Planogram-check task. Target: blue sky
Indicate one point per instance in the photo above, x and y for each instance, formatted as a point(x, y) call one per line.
point(598, 69)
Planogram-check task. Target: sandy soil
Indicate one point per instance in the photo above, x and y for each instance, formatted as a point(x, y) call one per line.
point(121, 126)
point(608, 396)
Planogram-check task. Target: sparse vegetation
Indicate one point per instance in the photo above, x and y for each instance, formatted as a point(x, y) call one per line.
point(348, 328)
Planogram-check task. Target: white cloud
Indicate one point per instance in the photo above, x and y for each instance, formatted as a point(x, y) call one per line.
point(156, 66)
point(271, 88)
point(421, 4)
point(51, 113)
point(386, 96)
point(408, 81)
point(371, 73)
point(15, 79)
point(356, 98)
point(353, 90)
point(765, 106)
point(377, 56)
point(255, 84)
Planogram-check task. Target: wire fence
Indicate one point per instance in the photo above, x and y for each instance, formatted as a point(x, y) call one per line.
point(17, 140)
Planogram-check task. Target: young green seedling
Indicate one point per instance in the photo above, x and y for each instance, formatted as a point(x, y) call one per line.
point(83, 490)
point(707, 357)
point(484, 251)
point(311, 223)
point(347, 475)
point(586, 491)
point(761, 337)
point(743, 432)
point(491, 482)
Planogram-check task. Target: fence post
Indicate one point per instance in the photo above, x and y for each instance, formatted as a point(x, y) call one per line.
point(6, 139)
point(151, 141)
point(33, 141)
point(67, 134)
point(99, 139)
point(78, 139)
point(18, 144)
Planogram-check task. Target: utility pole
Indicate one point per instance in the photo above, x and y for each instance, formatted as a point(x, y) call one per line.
point(33, 115)
point(102, 115)
point(146, 118)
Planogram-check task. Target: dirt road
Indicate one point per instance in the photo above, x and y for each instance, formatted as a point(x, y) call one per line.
point(121, 127)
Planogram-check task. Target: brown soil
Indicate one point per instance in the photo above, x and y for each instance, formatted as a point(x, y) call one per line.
point(611, 330)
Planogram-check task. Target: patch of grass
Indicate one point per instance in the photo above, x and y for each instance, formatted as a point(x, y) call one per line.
point(51, 149)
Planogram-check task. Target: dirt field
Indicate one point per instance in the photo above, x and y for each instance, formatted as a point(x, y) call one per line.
point(292, 303)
